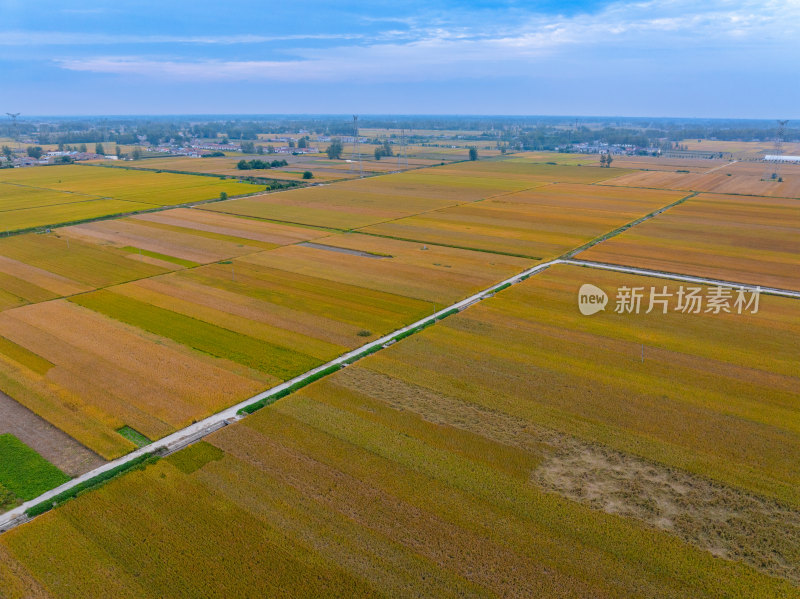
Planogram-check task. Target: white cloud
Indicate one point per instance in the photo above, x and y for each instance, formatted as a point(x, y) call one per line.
point(55, 38)
point(442, 50)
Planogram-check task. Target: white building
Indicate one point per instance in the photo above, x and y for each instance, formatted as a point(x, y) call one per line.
point(777, 158)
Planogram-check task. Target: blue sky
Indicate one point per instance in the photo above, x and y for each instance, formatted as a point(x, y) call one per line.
point(668, 58)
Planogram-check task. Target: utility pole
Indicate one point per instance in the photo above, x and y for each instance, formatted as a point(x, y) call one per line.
point(357, 146)
point(774, 173)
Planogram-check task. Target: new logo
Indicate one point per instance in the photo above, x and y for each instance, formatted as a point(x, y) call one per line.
point(591, 299)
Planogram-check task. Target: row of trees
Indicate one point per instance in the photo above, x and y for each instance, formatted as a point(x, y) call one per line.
point(246, 165)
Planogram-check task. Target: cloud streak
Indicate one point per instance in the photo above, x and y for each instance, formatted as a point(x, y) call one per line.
point(476, 51)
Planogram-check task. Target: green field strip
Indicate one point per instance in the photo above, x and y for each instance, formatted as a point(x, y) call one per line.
point(134, 436)
point(24, 472)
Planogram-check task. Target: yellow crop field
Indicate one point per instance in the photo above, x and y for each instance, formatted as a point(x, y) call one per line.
point(105, 375)
point(737, 178)
point(435, 274)
point(344, 205)
point(423, 469)
point(64, 266)
point(42, 196)
point(227, 226)
point(715, 394)
point(540, 223)
point(17, 197)
point(354, 204)
point(737, 238)
point(739, 149)
point(247, 323)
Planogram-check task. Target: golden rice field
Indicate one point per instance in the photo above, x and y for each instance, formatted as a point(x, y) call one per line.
point(418, 471)
point(355, 204)
point(540, 223)
point(352, 204)
point(87, 365)
point(436, 274)
point(740, 149)
point(42, 196)
point(737, 178)
point(754, 240)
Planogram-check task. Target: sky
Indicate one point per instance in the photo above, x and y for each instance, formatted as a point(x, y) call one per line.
point(671, 58)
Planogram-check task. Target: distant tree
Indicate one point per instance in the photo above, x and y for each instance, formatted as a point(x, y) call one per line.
point(270, 149)
point(609, 160)
point(223, 195)
point(248, 147)
point(308, 175)
point(260, 150)
point(602, 160)
point(35, 152)
point(302, 142)
point(98, 149)
point(291, 143)
point(118, 151)
point(82, 148)
point(136, 154)
point(7, 152)
point(64, 160)
point(383, 150)
point(61, 147)
point(473, 153)
point(243, 165)
point(224, 140)
point(334, 151)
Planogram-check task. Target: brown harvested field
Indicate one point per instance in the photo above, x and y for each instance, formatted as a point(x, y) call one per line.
point(439, 274)
point(737, 238)
point(539, 223)
point(54, 445)
point(737, 178)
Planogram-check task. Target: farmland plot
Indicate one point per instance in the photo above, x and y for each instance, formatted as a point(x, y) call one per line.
point(423, 470)
point(737, 238)
point(538, 223)
point(356, 204)
point(48, 196)
point(738, 178)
